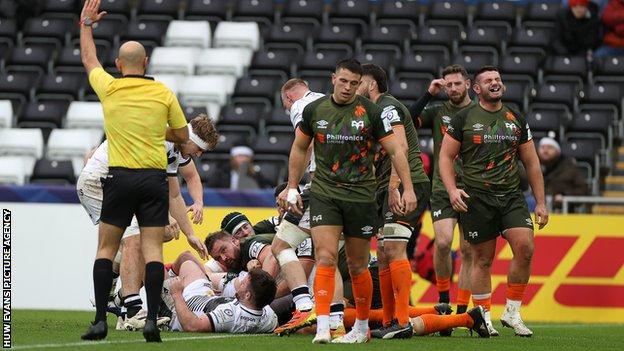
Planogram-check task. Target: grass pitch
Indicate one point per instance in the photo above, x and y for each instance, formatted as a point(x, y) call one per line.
point(61, 330)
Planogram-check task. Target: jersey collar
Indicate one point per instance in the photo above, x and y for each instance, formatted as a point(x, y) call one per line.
point(137, 76)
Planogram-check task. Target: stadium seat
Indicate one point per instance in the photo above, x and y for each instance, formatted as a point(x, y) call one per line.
point(298, 33)
point(120, 7)
point(6, 114)
point(60, 6)
point(496, 11)
point(207, 10)
point(562, 65)
point(544, 11)
point(204, 89)
point(171, 81)
point(485, 35)
point(53, 172)
point(20, 83)
point(545, 120)
point(48, 27)
point(159, 9)
point(258, 85)
point(61, 85)
point(8, 28)
point(586, 124)
point(401, 10)
point(30, 55)
point(15, 169)
point(609, 65)
point(389, 33)
point(341, 33)
point(209, 169)
point(272, 168)
point(248, 114)
point(318, 81)
point(275, 59)
point(558, 92)
point(475, 57)
point(322, 59)
point(383, 58)
point(448, 10)
point(526, 64)
point(410, 86)
point(274, 143)
point(188, 33)
point(278, 117)
point(230, 138)
point(584, 150)
point(6, 46)
point(446, 34)
point(254, 9)
point(211, 109)
point(517, 92)
point(531, 36)
point(173, 60)
point(70, 57)
point(85, 114)
point(67, 143)
point(21, 142)
point(603, 93)
point(237, 34)
point(109, 29)
point(351, 9)
point(426, 59)
point(231, 61)
point(306, 9)
point(43, 114)
point(145, 31)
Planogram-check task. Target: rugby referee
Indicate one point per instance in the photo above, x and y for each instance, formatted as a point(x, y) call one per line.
point(137, 110)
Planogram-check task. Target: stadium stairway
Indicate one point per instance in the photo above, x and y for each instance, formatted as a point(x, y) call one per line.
point(614, 187)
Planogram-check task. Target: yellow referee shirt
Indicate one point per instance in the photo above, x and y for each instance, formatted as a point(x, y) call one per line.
point(136, 113)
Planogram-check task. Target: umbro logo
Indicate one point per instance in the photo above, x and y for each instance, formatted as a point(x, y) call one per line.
point(317, 218)
point(473, 234)
point(477, 127)
point(389, 215)
point(322, 124)
point(437, 213)
point(367, 230)
point(528, 221)
point(446, 119)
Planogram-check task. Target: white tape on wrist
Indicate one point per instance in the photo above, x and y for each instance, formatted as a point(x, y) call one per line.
point(292, 196)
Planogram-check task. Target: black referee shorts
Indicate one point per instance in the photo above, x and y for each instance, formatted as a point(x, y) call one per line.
point(140, 192)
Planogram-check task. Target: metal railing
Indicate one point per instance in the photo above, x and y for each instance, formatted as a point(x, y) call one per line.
point(567, 200)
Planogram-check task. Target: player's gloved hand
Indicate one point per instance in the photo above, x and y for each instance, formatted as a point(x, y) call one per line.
point(198, 213)
point(295, 204)
point(457, 200)
point(409, 201)
point(198, 245)
point(394, 201)
point(541, 215)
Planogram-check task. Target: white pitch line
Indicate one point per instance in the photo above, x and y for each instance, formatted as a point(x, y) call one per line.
point(136, 341)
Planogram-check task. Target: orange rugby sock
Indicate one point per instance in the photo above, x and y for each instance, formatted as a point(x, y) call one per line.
point(484, 300)
point(515, 291)
point(401, 282)
point(324, 289)
point(435, 323)
point(418, 311)
point(463, 297)
point(362, 293)
point(387, 295)
point(443, 284)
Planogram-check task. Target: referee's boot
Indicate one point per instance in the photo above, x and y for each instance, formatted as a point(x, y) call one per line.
point(151, 333)
point(97, 331)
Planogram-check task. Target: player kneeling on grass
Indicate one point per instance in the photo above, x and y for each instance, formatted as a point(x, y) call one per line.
point(197, 309)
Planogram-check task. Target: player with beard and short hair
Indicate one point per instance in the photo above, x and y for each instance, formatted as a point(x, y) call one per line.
point(489, 138)
point(456, 84)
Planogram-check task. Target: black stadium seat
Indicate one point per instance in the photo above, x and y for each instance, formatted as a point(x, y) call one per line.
point(562, 65)
point(427, 60)
point(558, 92)
point(603, 93)
point(248, 114)
point(8, 28)
point(544, 11)
point(351, 9)
point(202, 9)
point(19, 83)
point(609, 65)
point(258, 85)
point(531, 36)
point(438, 34)
point(280, 59)
point(62, 6)
point(61, 84)
point(230, 138)
point(342, 33)
point(255, 9)
point(145, 30)
point(544, 120)
point(324, 59)
point(274, 143)
point(496, 11)
point(520, 64)
point(448, 10)
point(272, 169)
point(410, 87)
point(43, 114)
point(402, 10)
point(119, 7)
point(383, 58)
point(306, 8)
point(290, 33)
point(388, 33)
point(167, 8)
point(48, 27)
point(278, 117)
point(53, 172)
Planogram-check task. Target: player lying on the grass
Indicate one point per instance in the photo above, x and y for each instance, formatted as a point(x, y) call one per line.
point(197, 309)
point(203, 137)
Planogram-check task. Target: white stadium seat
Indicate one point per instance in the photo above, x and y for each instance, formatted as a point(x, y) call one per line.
point(171, 60)
point(65, 144)
point(85, 114)
point(237, 34)
point(231, 61)
point(201, 90)
point(171, 81)
point(21, 142)
point(6, 114)
point(15, 169)
point(188, 33)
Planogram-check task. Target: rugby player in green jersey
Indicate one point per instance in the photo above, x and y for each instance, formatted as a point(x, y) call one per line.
point(394, 268)
point(345, 128)
point(489, 138)
point(456, 84)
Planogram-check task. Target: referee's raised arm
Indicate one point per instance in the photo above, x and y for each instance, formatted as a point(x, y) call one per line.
point(139, 113)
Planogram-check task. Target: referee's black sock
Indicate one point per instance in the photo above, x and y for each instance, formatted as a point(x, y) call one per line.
point(102, 282)
point(444, 296)
point(154, 277)
point(462, 309)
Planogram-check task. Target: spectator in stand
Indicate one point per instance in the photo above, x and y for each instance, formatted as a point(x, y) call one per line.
point(577, 28)
point(613, 20)
point(240, 173)
point(561, 176)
